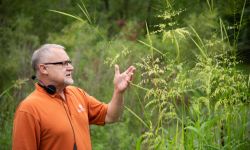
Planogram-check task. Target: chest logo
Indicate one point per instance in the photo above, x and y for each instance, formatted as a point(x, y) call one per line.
point(80, 108)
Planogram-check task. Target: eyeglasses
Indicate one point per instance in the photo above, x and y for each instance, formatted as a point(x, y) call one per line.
point(63, 63)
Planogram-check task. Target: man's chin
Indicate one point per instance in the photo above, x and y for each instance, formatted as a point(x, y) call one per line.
point(69, 82)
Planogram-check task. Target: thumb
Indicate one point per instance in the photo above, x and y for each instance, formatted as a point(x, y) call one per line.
point(117, 70)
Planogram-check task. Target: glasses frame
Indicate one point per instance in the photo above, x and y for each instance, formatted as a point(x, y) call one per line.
point(63, 63)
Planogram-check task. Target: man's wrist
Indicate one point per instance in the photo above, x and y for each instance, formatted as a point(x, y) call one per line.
point(118, 92)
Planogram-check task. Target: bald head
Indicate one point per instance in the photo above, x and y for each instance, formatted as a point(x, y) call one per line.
point(42, 53)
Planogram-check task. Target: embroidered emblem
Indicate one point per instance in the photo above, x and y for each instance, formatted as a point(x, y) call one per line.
point(80, 108)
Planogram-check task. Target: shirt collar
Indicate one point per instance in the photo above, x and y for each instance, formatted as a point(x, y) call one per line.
point(40, 89)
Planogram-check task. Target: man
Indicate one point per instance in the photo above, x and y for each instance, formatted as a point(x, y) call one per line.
point(56, 116)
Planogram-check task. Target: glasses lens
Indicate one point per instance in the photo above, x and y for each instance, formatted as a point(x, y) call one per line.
point(66, 63)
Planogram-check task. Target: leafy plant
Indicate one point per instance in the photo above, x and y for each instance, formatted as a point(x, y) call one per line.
point(194, 106)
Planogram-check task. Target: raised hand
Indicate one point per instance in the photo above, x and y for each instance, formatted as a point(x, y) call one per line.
point(121, 80)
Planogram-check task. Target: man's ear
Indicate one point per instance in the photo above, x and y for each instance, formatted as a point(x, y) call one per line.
point(42, 69)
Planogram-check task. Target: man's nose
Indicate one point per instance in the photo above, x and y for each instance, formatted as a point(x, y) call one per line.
point(70, 67)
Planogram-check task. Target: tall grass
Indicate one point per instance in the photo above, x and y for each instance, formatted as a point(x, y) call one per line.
point(8, 105)
point(188, 93)
point(199, 106)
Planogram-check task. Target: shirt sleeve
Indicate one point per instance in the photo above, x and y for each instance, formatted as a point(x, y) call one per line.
point(26, 132)
point(96, 110)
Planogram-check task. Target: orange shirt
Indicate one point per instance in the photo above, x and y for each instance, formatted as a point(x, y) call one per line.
point(43, 121)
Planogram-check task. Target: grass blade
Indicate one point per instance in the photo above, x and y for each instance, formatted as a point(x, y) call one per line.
point(133, 113)
point(67, 14)
point(85, 12)
point(151, 47)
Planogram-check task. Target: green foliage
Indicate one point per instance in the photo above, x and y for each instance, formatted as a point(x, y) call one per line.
point(16, 48)
point(194, 106)
point(8, 105)
point(188, 92)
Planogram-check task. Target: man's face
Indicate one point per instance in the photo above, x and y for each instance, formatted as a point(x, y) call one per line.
point(59, 68)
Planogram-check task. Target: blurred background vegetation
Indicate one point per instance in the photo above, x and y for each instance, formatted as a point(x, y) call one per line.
point(191, 89)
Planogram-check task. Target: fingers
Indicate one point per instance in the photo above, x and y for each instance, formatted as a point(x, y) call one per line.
point(117, 70)
point(131, 69)
point(130, 72)
point(130, 76)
